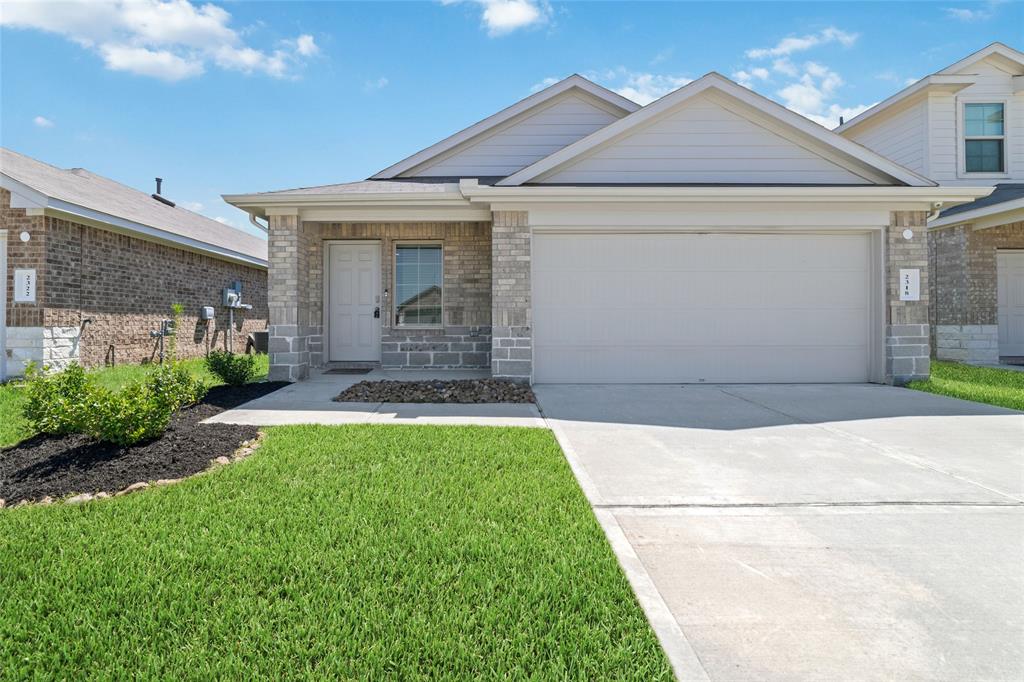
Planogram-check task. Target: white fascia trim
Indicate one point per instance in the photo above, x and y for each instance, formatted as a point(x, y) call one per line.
point(997, 48)
point(945, 195)
point(910, 94)
point(574, 81)
point(748, 97)
point(986, 216)
point(364, 207)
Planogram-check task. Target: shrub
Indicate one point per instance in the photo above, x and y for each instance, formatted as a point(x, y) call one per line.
point(128, 416)
point(142, 410)
point(234, 370)
point(59, 403)
point(174, 386)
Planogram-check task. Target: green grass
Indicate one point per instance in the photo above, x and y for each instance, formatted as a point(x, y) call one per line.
point(13, 427)
point(1002, 387)
point(354, 552)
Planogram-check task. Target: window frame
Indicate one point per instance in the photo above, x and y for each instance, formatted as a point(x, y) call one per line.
point(963, 137)
point(394, 281)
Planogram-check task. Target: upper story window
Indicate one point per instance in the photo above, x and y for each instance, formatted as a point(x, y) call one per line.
point(984, 139)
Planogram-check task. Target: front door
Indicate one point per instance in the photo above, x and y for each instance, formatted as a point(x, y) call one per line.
point(1010, 273)
point(353, 300)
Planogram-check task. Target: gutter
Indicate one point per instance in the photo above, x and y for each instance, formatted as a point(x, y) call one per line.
point(974, 214)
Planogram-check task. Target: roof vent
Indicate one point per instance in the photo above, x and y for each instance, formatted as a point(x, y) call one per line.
point(159, 182)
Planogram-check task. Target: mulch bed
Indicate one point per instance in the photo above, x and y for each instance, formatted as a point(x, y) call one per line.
point(57, 466)
point(457, 391)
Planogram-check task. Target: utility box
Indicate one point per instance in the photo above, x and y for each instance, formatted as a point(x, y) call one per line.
point(206, 313)
point(232, 298)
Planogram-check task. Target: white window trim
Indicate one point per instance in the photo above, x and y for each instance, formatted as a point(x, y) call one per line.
point(394, 281)
point(961, 137)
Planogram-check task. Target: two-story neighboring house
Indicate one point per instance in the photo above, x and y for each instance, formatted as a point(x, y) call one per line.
point(964, 125)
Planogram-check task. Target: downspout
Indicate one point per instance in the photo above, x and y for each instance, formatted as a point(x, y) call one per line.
point(258, 224)
point(934, 213)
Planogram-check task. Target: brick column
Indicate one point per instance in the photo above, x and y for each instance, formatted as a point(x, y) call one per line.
point(907, 343)
point(512, 335)
point(288, 299)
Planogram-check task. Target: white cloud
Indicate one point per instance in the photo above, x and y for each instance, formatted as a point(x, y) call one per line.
point(812, 93)
point(501, 17)
point(981, 13)
point(643, 88)
point(785, 67)
point(223, 221)
point(663, 56)
point(747, 78)
point(42, 122)
point(788, 46)
point(167, 39)
point(546, 83)
point(195, 206)
point(376, 84)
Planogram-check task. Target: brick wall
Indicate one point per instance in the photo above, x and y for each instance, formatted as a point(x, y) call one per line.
point(964, 308)
point(512, 344)
point(907, 355)
point(125, 285)
point(462, 341)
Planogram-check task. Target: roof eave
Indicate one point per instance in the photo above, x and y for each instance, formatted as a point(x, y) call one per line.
point(987, 216)
point(909, 95)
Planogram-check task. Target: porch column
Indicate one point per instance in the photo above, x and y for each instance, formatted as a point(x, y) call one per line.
point(512, 333)
point(288, 297)
point(907, 343)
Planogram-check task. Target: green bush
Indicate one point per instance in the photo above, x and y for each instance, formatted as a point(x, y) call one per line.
point(59, 403)
point(233, 370)
point(141, 411)
point(129, 416)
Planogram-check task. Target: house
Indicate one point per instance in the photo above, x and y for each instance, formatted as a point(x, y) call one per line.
point(710, 236)
point(964, 125)
point(92, 267)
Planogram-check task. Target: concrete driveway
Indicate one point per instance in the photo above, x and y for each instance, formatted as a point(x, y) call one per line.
point(847, 532)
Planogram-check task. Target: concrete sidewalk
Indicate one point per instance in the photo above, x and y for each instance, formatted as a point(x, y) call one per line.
point(310, 402)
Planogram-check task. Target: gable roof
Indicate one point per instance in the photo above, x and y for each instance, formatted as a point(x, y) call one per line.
point(873, 167)
point(521, 108)
point(950, 79)
point(84, 194)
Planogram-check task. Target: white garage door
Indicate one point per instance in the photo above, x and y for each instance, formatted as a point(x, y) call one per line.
point(713, 307)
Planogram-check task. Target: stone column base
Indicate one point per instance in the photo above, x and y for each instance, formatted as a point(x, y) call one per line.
point(288, 347)
point(974, 343)
point(906, 353)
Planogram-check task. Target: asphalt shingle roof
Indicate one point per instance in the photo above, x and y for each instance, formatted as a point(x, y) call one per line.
point(1002, 193)
point(84, 188)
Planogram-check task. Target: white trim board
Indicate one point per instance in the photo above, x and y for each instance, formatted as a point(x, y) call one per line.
point(856, 158)
point(575, 81)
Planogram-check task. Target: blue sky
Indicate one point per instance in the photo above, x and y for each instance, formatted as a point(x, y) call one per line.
point(248, 96)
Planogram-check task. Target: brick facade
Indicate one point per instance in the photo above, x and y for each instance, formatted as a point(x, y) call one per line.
point(297, 252)
point(124, 285)
point(907, 355)
point(512, 348)
point(964, 308)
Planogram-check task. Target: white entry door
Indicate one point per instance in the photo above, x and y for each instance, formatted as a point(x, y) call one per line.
point(353, 300)
point(1010, 273)
point(716, 308)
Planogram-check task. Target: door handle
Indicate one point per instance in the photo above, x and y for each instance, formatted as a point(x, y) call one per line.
point(376, 312)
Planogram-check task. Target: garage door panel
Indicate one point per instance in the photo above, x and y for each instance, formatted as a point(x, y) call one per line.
point(707, 307)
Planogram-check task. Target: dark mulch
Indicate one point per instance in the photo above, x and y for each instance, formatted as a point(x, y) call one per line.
point(458, 391)
point(58, 466)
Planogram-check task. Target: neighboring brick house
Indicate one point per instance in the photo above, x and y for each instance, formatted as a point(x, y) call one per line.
point(711, 236)
point(964, 125)
point(101, 264)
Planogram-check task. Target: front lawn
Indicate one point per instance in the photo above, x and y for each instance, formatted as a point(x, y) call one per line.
point(1002, 387)
point(353, 552)
point(13, 427)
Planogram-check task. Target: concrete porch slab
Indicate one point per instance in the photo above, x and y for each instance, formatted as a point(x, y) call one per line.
point(310, 402)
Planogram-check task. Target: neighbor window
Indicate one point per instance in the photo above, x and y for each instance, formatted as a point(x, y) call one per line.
point(418, 284)
point(983, 138)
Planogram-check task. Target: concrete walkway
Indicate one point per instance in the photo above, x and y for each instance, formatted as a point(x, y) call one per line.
point(852, 532)
point(310, 402)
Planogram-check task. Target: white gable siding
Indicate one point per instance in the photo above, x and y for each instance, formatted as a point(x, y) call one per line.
point(902, 137)
point(702, 142)
point(523, 140)
point(996, 85)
